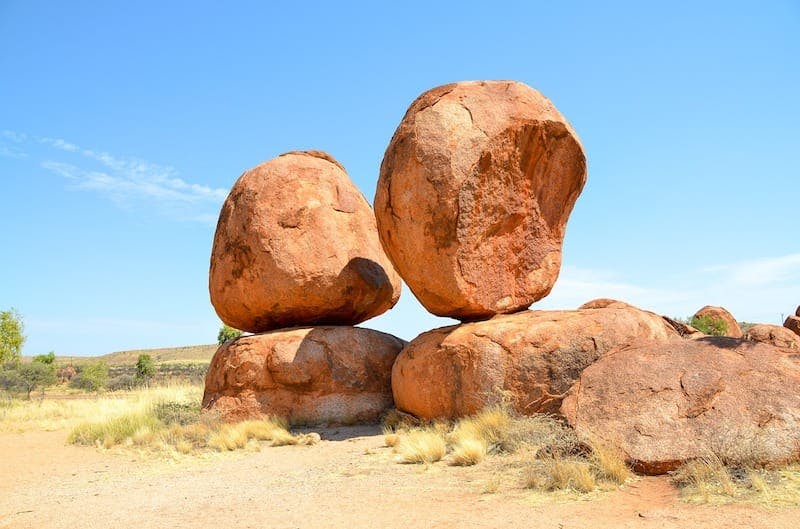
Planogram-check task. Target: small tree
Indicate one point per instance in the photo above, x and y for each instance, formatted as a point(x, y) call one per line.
point(145, 368)
point(93, 377)
point(227, 333)
point(36, 375)
point(12, 335)
point(707, 324)
point(49, 359)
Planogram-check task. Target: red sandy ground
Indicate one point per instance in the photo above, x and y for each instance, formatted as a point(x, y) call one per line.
point(349, 481)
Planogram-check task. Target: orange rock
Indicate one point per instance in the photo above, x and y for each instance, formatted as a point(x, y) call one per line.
point(685, 330)
point(306, 375)
point(531, 358)
point(604, 303)
point(718, 313)
point(773, 335)
point(793, 324)
point(296, 244)
point(665, 403)
point(473, 197)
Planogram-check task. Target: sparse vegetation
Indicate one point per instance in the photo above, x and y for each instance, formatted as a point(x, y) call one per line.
point(174, 424)
point(707, 324)
point(709, 480)
point(551, 454)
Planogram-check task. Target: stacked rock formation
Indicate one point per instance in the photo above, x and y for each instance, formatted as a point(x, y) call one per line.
point(472, 203)
point(471, 207)
point(296, 245)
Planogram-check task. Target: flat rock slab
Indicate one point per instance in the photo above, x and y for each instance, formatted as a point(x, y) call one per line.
point(530, 358)
point(306, 375)
point(474, 194)
point(665, 403)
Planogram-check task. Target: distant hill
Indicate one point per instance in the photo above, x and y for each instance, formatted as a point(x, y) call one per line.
point(187, 354)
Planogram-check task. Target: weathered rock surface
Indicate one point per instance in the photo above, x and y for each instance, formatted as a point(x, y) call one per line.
point(773, 335)
point(685, 330)
point(473, 197)
point(306, 375)
point(532, 357)
point(719, 313)
point(793, 324)
point(797, 312)
point(664, 403)
point(604, 303)
point(296, 244)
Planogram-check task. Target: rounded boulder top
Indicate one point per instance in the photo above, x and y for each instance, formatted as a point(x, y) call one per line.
point(296, 244)
point(474, 194)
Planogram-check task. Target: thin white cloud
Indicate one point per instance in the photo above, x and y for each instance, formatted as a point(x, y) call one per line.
point(16, 137)
point(759, 272)
point(127, 181)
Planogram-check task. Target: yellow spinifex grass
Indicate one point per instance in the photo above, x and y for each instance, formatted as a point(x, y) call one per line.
point(708, 480)
point(61, 413)
point(421, 445)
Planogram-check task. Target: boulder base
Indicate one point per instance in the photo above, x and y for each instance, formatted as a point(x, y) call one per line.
point(474, 194)
point(296, 244)
point(665, 403)
point(306, 375)
point(530, 359)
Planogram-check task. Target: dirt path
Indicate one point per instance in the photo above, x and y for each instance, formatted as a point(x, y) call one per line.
point(348, 481)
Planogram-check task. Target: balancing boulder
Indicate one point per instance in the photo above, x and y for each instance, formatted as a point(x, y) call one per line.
point(474, 194)
point(296, 244)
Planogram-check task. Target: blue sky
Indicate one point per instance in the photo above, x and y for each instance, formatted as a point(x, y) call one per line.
point(124, 124)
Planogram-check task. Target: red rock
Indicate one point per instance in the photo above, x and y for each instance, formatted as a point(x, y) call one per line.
point(604, 303)
point(296, 244)
point(793, 324)
point(665, 403)
point(531, 357)
point(306, 375)
point(685, 330)
point(773, 335)
point(473, 197)
point(718, 313)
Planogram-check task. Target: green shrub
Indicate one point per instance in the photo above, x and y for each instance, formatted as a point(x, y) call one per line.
point(707, 324)
point(227, 333)
point(93, 377)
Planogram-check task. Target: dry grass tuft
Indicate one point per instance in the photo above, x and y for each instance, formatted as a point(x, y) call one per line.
point(561, 474)
point(421, 446)
point(468, 452)
point(709, 480)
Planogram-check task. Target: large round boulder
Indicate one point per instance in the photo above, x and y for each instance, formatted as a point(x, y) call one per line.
point(732, 329)
point(296, 244)
point(305, 375)
point(774, 335)
point(473, 197)
point(793, 324)
point(664, 403)
point(528, 359)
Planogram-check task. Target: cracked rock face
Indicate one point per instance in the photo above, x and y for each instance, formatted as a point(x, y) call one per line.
point(473, 197)
point(307, 375)
point(665, 403)
point(529, 359)
point(296, 244)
